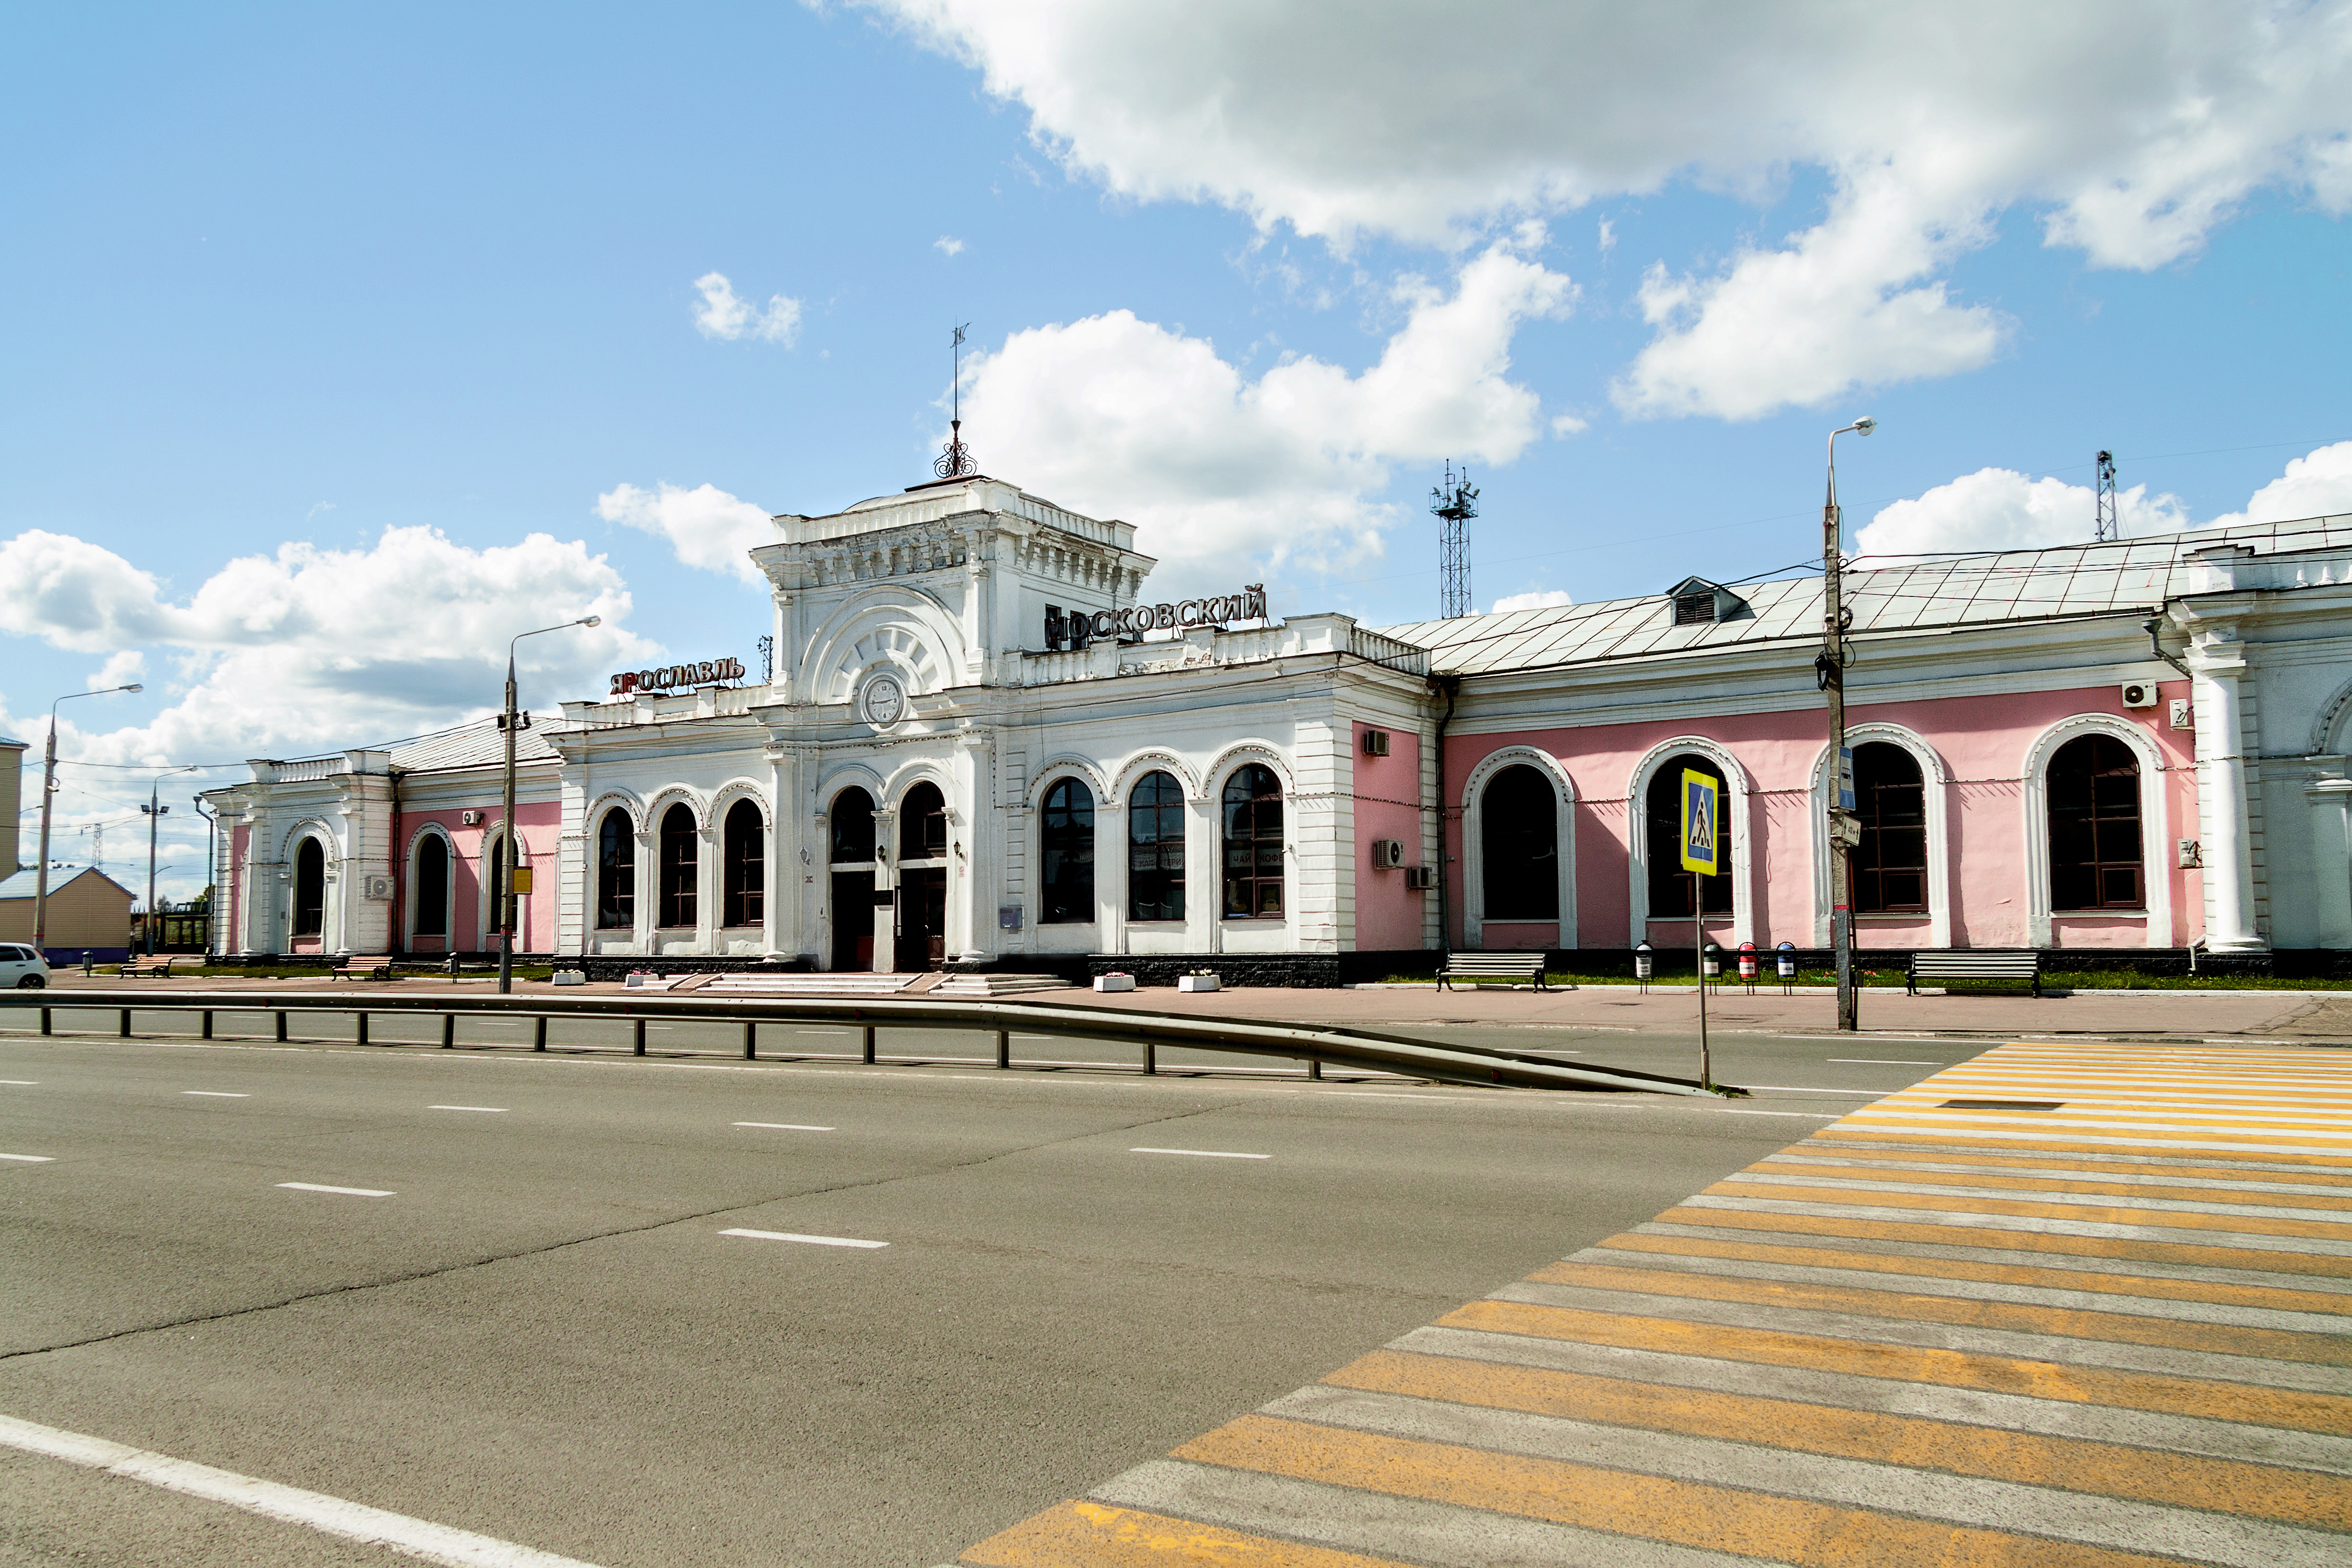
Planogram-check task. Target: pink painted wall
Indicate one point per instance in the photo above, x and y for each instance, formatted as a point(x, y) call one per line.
point(1983, 741)
point(1387, 805)
point(542, 824)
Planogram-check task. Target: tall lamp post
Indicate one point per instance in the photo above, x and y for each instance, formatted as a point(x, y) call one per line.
point(154, 812)
point(1844, 826)
point(504, 869)
point(212, 872)
point(48, 796)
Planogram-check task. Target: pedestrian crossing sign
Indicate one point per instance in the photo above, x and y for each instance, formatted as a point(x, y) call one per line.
point(1701, 838)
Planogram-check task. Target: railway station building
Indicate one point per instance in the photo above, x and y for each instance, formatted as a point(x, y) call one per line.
point(988, 744)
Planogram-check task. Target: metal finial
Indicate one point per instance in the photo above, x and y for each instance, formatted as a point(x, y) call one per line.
point(956, 460)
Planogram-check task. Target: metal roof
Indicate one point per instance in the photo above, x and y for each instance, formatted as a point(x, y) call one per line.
point(1899, 595)
point(478, 744)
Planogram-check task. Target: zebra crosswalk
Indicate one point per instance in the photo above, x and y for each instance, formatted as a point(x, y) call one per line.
point(2063, 1305)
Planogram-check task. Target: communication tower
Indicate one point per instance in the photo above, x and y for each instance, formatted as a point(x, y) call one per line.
point(2108, 526)
point(1453, 504)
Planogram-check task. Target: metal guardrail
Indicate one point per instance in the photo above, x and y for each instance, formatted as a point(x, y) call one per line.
point(1361, 1048)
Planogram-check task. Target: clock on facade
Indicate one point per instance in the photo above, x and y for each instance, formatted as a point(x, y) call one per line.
point(884, 702)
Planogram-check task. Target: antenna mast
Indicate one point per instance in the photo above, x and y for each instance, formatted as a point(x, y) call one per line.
point(957, 460)
point(2108, 526)
point(1453, 505)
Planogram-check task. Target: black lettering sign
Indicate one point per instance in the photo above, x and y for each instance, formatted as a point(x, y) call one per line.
point(1077, 628)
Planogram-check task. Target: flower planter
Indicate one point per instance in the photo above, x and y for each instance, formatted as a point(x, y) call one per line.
point(1114, 982)
point(1197, 983)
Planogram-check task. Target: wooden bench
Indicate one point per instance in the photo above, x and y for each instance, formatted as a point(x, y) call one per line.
point(156, 968)
point(1974, 964)
point(368, 966)
point(1516, 966)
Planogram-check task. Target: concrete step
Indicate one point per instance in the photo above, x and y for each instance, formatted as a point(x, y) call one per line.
point(816, 984)
point(992, 984)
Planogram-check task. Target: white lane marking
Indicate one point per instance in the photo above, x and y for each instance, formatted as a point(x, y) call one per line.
point(32, 1159)
point(812, 1240)
point(333, 1516)
point(20, 1082)
point(1808, 1088)
point(820, 1031)
point(347, 1192)
point(788, 1126)
point(1202, 1153)
point(1806, 1115)
point(214, 1094)
point(1391, 1094)
point(1883, 1061)
point(493, 1109)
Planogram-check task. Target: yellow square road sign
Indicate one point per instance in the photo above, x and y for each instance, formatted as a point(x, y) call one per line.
point(1702, 818)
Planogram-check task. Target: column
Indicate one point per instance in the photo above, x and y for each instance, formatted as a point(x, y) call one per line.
point(789, 861)
point(1204, 881)
point(2331, 858)
point(884, 916)
point(1110, 876)
point(648, 883)
point(709, 888)
point(2217, 666)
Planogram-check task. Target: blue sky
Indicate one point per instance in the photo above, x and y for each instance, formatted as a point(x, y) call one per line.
point(285, 277)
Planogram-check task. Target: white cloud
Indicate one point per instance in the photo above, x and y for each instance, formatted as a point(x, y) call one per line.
point(948, 245)
point(722, 314)
point(123, 669)
point(1542, 599)
point(2319, 485)
point(707, 527)
point(2129, 128)
point(315, 648)
point(1121, 416)
point(2000, 509)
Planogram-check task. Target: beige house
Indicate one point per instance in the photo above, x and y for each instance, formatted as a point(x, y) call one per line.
point(89, 912)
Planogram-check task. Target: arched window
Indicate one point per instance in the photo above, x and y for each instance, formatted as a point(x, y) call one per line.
point(1155, 850)
point(1065, 843)
point(309, 889)
point(616, 872)
point(746, 864)
point(1671, 886)
point(1252, 843)
point(850, 821)
point(680, 848)
point(1519, 850)
point(1890, 865)
point(428, 890)
point(923, 825)
point(2095, 832)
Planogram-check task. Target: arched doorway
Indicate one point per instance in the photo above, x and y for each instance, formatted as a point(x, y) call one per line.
point(922, 902)
point(849, 860)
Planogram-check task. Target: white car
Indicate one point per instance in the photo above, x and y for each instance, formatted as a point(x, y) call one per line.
point(22, 967)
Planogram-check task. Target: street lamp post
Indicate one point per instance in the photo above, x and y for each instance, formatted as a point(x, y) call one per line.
point(154, 812)
point(211, 873)
point(504, 867)
point(48, 797)
point(1845, 826)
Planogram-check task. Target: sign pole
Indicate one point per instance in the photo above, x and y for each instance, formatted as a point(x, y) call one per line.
point(1702, 828)
point(1698, 963)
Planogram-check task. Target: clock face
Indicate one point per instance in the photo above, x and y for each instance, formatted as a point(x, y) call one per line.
point(886, 701)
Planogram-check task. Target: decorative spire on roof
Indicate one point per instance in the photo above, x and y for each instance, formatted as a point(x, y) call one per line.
point(957, 459)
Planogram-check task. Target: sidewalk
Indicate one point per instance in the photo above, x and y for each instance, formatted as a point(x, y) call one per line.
point(2158, 1015)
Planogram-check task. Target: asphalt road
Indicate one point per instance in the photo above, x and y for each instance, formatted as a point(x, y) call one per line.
point(542, 1333)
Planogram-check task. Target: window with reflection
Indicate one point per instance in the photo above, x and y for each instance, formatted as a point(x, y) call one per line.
point(1253, 824)
point(1889, 867)
point(1065, 845)
point(1519, 815)
point(1673, 893)
point(681, 868)
point(744, 861)
point(428, 889)
point(1155, 850)
point(850, 825)
point(923, 825)
point(616, 872)
point(2094, 826)
point(309, 889)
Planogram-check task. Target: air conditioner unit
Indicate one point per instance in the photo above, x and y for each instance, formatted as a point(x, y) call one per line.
point(1420, 879)
point(1376, 742)
point(2139, 694)
point(1388, 853)
point(471, 818)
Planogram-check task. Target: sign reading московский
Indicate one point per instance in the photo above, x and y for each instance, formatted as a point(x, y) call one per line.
point(710, 672)
point(1078, 628)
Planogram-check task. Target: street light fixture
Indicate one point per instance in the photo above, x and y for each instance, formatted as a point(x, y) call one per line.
point(1844, 826)
point(504, 869)
point(48, 797)
point(154, 812)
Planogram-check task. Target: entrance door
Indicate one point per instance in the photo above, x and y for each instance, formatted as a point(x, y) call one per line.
point(852, 920)
point(922, 919)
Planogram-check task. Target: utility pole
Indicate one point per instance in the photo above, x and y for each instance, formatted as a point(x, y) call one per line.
point(48, 799)
point(1454, 506)
point(155, 815)
point(1845, 826)
point(509, 854)
point(2107, 525)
